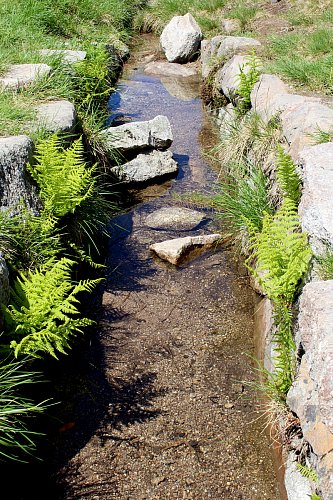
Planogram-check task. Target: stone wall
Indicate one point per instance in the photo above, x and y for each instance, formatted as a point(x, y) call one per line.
point(311, 396)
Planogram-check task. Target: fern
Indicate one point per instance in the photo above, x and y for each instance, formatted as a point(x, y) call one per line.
point(288, 179)
point(284, 358)
point(281, 253)
point(247, 80)
point(64, 179)
point(41, 317)
point(308, 472)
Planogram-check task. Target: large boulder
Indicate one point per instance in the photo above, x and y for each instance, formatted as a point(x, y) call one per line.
point(311, 395)
point(180, 39)
point(133, 136)
point(56, 116)
point(21, 75)
point(15, 183)
point(174, 218)
point(146, 167)
point(174, 251)
point(316, 206)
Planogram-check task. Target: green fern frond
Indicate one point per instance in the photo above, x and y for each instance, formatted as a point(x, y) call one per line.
point(281, 253)
point(247, 80)
point(288, 179)
point(41, 317)
point(308, 472)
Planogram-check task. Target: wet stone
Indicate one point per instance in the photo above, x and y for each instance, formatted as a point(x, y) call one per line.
point(174, 218)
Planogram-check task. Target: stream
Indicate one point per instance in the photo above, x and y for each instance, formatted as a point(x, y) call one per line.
point(162, 412)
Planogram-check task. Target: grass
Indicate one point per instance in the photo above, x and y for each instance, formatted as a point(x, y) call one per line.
point(325, 268)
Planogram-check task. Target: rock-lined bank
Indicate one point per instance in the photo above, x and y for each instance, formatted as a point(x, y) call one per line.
point(300, 117)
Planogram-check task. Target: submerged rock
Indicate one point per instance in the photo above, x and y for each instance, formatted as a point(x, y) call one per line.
point(174, 218)
point(175, 250)
point(56, 116)
point(180, 39)
point(134, 136)
point(20, 75)
point(16, 185)
point(146, 167)
point(163, 68)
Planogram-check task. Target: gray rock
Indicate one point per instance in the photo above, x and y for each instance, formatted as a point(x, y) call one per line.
point(316, 206)
point(225, 117)
point(232, 45)
point(20, 75)
point(311, 394)
point(264, 91)
point(265, 331)
point(170, 69)
point(180, 39)
point(56, 116)
point(220, 47)
point(174, 218)
point(133, 136)
point(297, 486)
point(175, 250)
point(146, 167)
point(209, 50)
point(300, 122)
point(4, 282)
point(227, 78)
point(15, 185)
point(67, 56)
point(230, 25)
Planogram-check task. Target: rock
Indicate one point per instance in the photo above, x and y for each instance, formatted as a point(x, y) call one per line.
point(300, 122)
point(67, 56)
point(265, 331)
point(134, 136)
point(15, 153)
point(180, 39)
point(227, 78)
point(20, 75)
point(184, 89)
point(56, 116)
point(311, 395)
point(297, 486)
point(316, 206)
point(175, 250)
point(146, 167)
point(231, 25)
point(216, 50)
point(4, 282)
point(170, 69)
point(266, 89)
point(232, 45)
point(225, 117)
point(174, 218)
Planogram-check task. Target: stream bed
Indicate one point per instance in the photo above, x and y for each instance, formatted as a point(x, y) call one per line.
point(156, 407)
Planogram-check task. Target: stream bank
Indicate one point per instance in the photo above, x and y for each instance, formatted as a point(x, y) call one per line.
point(168, 414)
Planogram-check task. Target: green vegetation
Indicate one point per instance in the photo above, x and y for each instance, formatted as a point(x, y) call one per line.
point(40, 317)
point(16, 440)
point(248, 76)
point(325, 262)
point(288, 179)
point(308, 472)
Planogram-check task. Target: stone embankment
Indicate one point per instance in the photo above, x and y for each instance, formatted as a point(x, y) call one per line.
point(301, 117)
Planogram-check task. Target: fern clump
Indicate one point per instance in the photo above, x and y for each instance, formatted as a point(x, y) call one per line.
point(62, 174)
point(281, 253)
point(42, 315)
point(288, 179)
point(248, 76)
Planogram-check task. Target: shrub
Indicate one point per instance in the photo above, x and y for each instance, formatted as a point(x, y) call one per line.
point(41, 317)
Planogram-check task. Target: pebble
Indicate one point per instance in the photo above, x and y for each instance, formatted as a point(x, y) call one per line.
point(228, 406)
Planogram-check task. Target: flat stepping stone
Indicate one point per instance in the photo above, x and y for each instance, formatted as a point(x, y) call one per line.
point(146, 167)
point(163, 68)
point(20, 75)
point(155, 133)
point(174, 218)
point(56, 116)
point(174, 251)
point(67, 56)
